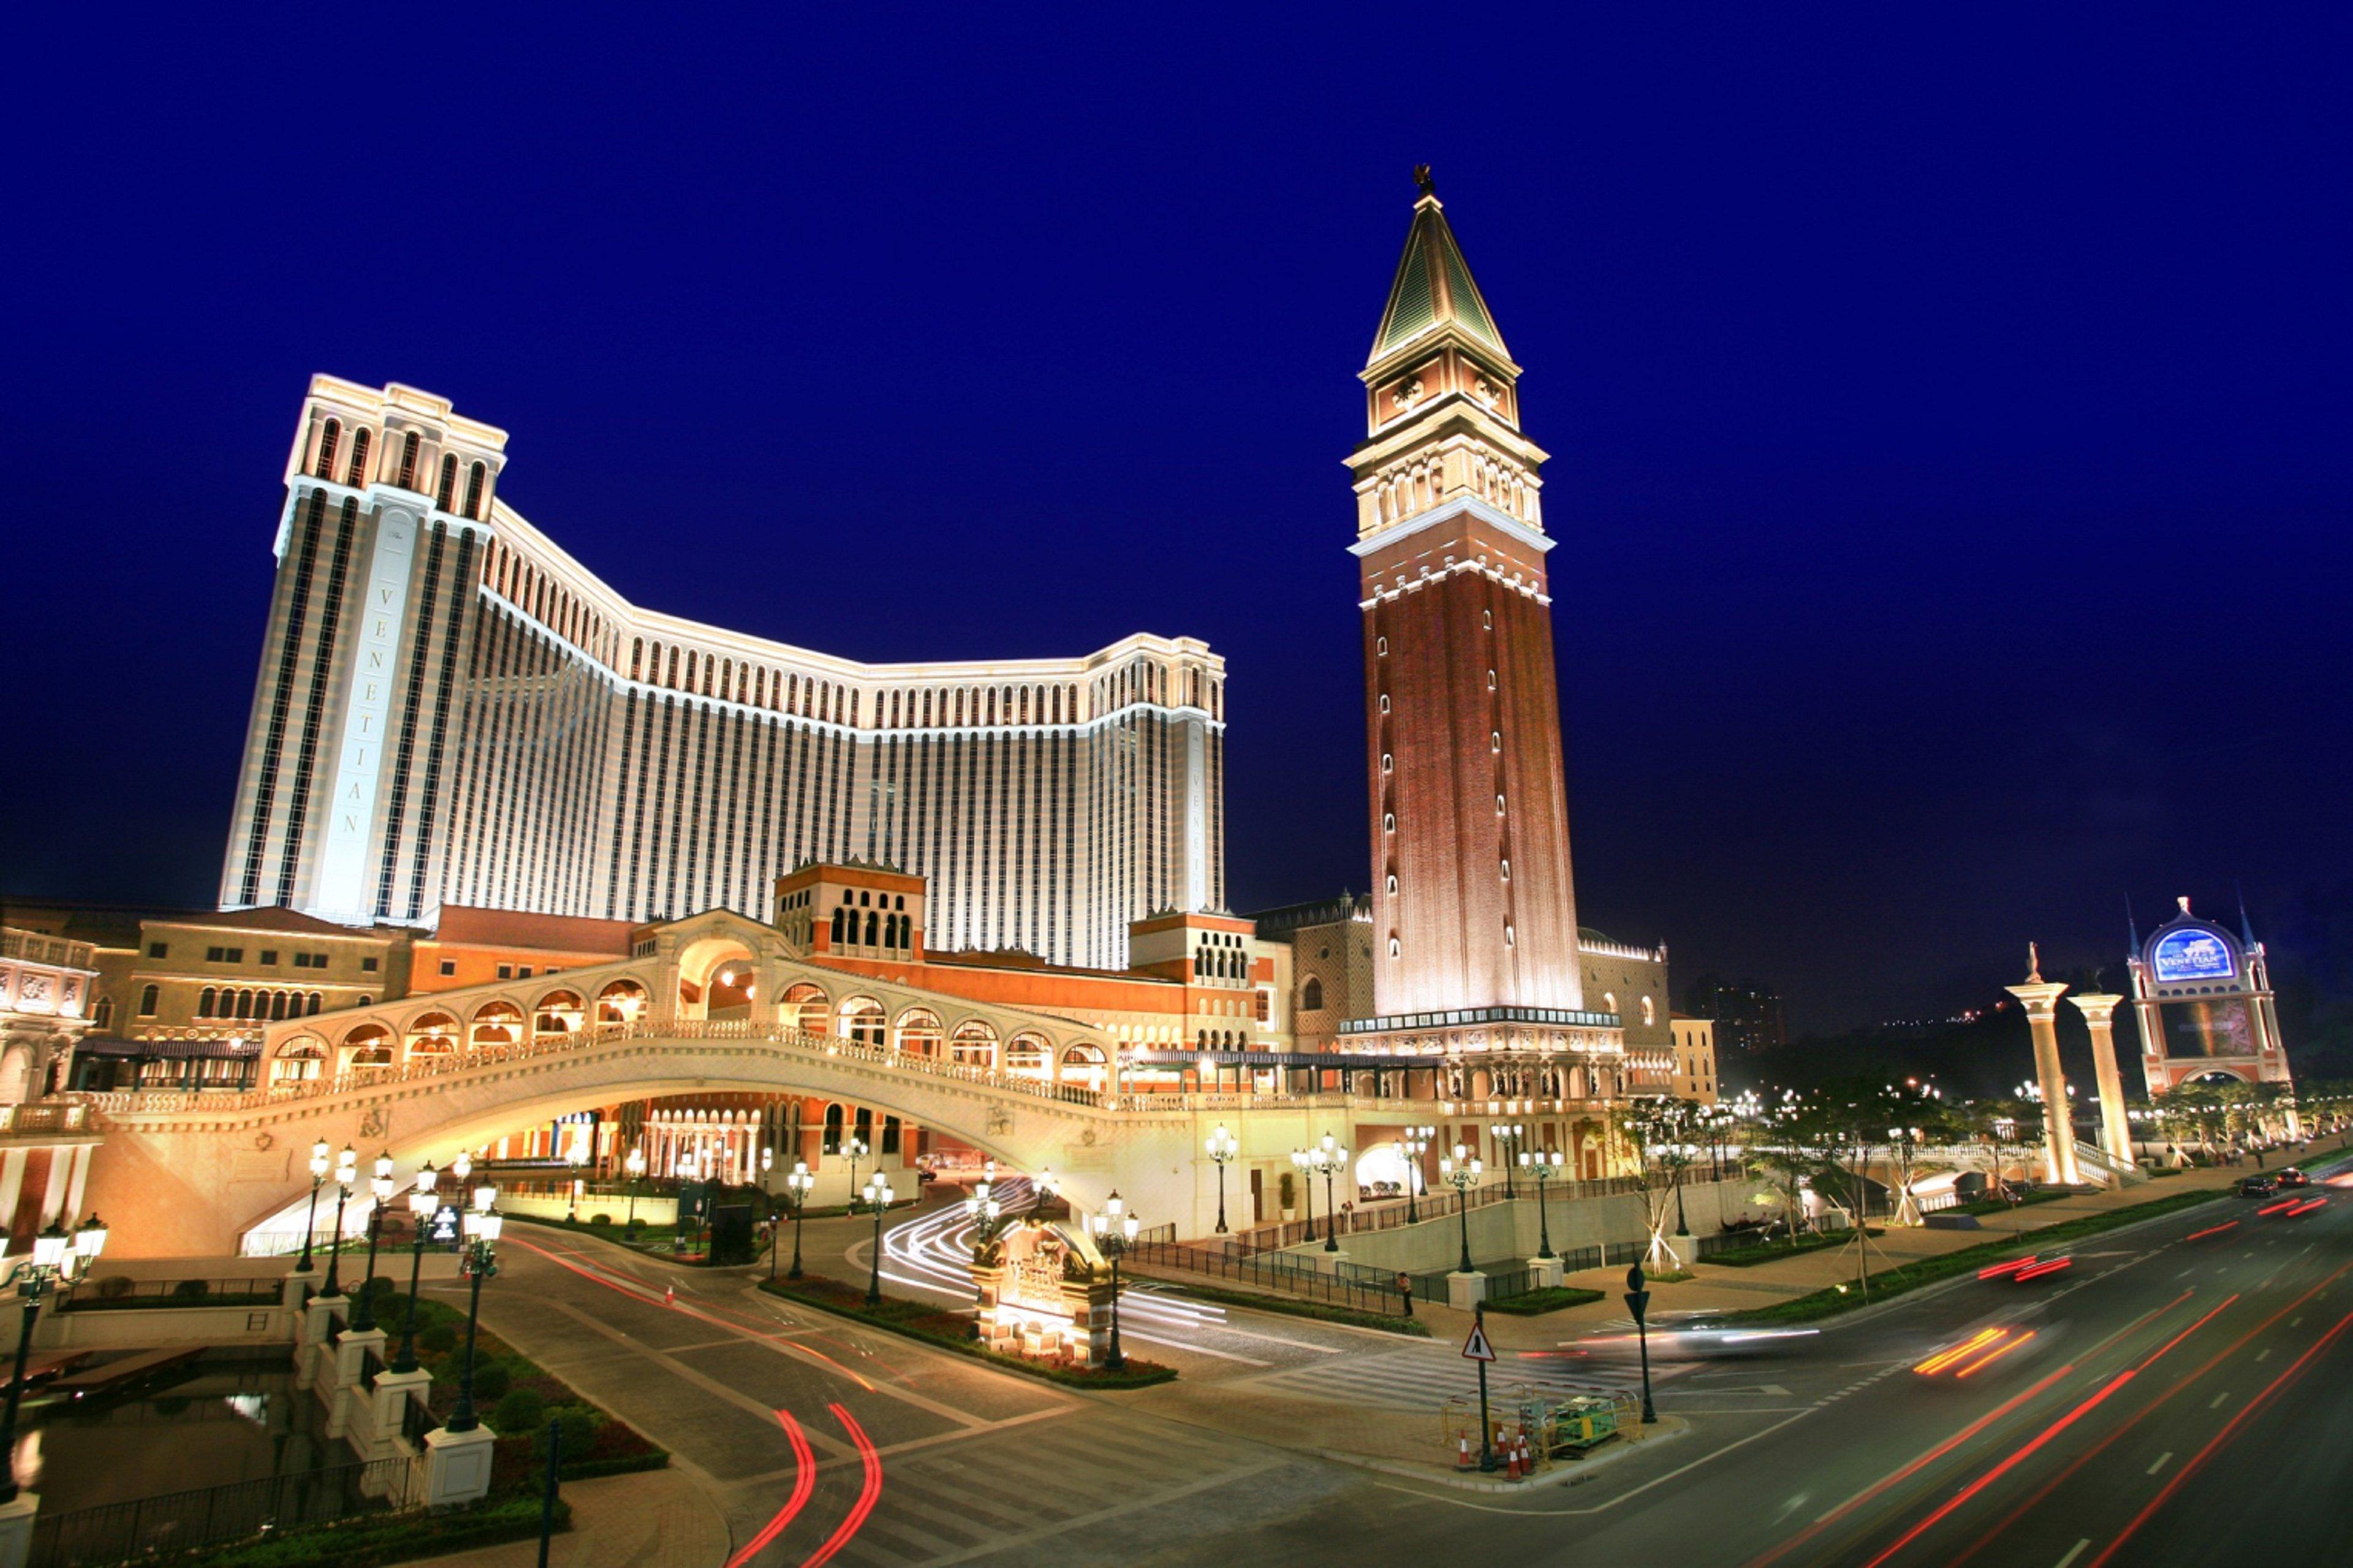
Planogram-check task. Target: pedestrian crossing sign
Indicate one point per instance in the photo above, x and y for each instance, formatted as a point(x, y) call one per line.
point(1476, 1347)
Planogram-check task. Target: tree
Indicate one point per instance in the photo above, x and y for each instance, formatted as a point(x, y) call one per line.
point(1656, 1135)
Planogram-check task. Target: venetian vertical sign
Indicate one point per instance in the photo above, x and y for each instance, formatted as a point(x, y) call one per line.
point(341, 893)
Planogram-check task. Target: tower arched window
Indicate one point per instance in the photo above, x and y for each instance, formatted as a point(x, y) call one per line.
point(1310, 995)
point(446, 491)
point(1509, 939)
point(148, 998)
point(1393, 884)
point(1389, 822)
point(1389, 763)
point(1396, 949)
point(408, 461)
point(474, 477)
point(358, 475)
point(205, 1003)
point(329, 439)
point(1381, 646)
point(1385, 701)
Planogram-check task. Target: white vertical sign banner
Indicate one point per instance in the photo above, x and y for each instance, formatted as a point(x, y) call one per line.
point(341, 893)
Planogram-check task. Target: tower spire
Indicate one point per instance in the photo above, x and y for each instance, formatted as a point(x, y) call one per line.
point(1433, 288)
point(2132, 928)
point(2246, 926)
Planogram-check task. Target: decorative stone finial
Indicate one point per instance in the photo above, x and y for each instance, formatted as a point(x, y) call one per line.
point(1427, 186)
point(2033, 966)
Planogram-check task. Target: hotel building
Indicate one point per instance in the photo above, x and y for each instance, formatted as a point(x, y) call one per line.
point(450, 710)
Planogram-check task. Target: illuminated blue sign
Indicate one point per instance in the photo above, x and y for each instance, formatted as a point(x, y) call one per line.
point(2191, 955)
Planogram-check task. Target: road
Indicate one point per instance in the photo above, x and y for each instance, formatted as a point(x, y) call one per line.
point(2170, 1397)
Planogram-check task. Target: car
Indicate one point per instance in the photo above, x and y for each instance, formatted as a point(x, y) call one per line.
point(2258, 1186)
point(2294, 1177)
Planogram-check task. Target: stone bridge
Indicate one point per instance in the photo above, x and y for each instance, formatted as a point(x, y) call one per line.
point(189, 1174)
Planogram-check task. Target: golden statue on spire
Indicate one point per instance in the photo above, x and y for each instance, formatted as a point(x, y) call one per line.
point(1427, 186)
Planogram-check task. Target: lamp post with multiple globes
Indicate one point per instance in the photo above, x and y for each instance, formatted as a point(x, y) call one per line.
point(636, 1167)
point(347, 1170)
point(878, 1195)
point(1509, 1134)
point(379, 1195)
point(1223, 1147)
point(1328, 1159)
point(1542, 1165)
point(1415, 1144)
point(1114, 1231)
point(481, 1262)
point(421, 1204)
point(57, 1258)
point(1461, 1171)
point(319, 1165)
point(798, 1182)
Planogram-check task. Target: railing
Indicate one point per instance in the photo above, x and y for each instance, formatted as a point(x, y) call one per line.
point(46, 1116)
point(1290, 1276)
point(416, 1421)
point(371, 1364)
point(187, 1521)
point(120, 1293)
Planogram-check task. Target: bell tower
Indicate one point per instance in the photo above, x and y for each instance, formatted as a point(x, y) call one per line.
point(1472, 905)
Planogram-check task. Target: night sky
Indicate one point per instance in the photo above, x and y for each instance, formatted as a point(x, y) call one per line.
point(1949, 421)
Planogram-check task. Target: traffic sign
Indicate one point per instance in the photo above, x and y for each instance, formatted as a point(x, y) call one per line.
point(1476, 1347)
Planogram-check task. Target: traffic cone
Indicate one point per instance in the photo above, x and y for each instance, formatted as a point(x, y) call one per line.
point(670, 1295)
point(1512, 1460)
point(1461, 1453)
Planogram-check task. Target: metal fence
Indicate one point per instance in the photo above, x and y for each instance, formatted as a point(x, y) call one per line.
point(174, 1522)
point(1289, 1275)
point(122, 1292)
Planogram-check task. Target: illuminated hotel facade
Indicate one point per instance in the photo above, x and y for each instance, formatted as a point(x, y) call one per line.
point(450, 708)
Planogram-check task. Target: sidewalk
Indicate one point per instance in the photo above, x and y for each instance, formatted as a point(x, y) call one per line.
point(655, 1517)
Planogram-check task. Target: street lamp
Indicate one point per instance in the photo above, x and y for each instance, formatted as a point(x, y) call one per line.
point(56, 1258)
point(1415, 1144)
point(636, 1166)
point(319, 1164)
point(421, 1204)
point(579, 1157)
point(481, 1262)
point(1115, 1230)
point(878, 1194)
point(1542, 1165)
point(379, 1193)
point(1461, 1172)
point(1509, 1134)
point(1223, 1147)
point(1327, 1159)
point(798, 1183)
point(1303, 1163)
point(853, 1149)
point(347, 1170)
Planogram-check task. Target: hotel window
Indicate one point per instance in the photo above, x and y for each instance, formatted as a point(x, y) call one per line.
point(1385, 701)
point(474, 490)
point(1381, 646)
point(1396, 949)
point(327, 444)
point(448, 966)
point(159, 949)
point(367, 966)
point(1389, 763)
point(1389, 822)
point(269, 955)
point(205, 1001)
point(1507, 870)
point(1393, 884)
point(408, 461)
point(148, 999)
point(449, 490)
point(358, 475)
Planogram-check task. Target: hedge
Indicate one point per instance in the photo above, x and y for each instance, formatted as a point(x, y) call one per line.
point(373, 1538)
point(1551, 1298)
point(1912, 1275)
point(950, 1331)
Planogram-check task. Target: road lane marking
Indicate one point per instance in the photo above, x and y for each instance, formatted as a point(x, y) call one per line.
point(2294, 1321)
point(2187, 1273)
point(2263, 1352)
point(2161, 1458)
point(2072, 1552)
point(2216, 1403)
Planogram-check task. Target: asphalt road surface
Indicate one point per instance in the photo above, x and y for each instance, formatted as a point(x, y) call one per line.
point(2172, 1396)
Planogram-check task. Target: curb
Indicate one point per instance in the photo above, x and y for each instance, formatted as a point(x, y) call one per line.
point(1568, 1473)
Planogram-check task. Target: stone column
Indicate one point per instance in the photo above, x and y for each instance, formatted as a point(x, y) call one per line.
point(2115, 1131)
point(2041, 999)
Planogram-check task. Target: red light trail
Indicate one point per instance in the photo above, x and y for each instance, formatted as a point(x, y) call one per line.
point(2211, 1230)
point(2198, 1461)
point(804, 1483)
point(870, 1461)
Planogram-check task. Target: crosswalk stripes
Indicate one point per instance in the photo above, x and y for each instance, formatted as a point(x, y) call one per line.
point(1413, 1381)
point(1058, 1471)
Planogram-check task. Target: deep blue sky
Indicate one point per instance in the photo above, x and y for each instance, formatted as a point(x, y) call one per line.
point(1950, 416)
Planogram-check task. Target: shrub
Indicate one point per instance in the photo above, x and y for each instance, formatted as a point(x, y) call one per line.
point(600, 1219)
point(381, 1285)
point(192, 1290)
point(438, 1338)
point(492, 1379)
point(521, 1411)
point(579, 1429)
point(114, 1287)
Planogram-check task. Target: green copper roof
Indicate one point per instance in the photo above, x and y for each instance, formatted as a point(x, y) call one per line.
point(1434, 286)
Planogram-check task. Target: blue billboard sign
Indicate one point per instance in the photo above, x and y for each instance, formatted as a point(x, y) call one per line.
point(2191, 955)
